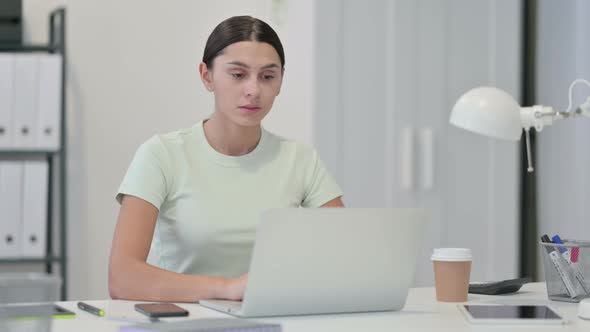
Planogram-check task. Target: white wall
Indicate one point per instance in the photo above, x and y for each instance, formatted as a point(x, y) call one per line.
point(563, 157)
point(133, 72)
point(398, 67)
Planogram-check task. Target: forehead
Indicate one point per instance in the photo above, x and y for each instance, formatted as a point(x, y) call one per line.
point(251, 53)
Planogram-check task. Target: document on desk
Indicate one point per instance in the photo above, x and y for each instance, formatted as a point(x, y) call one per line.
point(205, 324)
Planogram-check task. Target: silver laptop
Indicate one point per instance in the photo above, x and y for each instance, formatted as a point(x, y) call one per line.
point(330, 260)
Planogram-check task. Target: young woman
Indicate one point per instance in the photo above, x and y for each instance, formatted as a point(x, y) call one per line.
point(192, 198)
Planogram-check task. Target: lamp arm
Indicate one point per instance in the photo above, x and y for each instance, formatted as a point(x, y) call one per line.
point(587, 103)
point(539, 116)
point(583, 110)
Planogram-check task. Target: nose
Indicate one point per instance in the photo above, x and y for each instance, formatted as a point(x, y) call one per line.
point(252, 87)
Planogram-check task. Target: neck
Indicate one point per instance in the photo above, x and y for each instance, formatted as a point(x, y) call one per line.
point(228, 138)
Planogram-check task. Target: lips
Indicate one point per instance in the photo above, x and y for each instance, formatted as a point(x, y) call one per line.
point(249, 108)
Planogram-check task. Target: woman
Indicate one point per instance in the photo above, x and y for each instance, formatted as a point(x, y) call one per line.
point(192, 198)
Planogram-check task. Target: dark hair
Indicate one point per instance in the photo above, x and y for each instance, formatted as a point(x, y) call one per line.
point(240, 28)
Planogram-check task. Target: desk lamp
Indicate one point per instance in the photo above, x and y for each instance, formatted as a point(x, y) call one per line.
point(493, 112)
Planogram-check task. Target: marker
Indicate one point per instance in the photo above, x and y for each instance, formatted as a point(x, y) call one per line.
point(574, 266)
point(561, 268)
point(93, 310)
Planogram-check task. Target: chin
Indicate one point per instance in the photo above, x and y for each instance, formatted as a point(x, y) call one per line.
point(246, 122)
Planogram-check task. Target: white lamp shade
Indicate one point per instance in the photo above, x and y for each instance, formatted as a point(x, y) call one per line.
point(488, 111)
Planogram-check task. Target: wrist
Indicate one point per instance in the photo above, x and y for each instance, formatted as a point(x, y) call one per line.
point(221, 288)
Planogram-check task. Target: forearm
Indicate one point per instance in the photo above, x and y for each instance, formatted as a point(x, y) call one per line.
point(143, 282)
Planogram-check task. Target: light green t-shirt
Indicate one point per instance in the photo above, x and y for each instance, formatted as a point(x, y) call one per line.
point(210, 203)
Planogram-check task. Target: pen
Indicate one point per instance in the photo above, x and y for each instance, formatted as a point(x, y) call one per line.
point(560, 267)
point(91, 309)
point(574, 266)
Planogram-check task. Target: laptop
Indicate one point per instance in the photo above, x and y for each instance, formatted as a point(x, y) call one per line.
point(330, 260)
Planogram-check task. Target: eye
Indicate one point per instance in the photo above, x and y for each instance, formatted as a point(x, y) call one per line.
point(268, 77)
point(237, 75)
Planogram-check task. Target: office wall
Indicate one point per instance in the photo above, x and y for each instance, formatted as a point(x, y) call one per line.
point(563, 157)
point(388, 77)
point(133, 72)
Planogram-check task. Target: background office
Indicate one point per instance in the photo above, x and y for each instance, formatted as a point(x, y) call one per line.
point(370, 83)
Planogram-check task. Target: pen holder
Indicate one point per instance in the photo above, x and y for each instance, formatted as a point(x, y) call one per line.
point(567, 270)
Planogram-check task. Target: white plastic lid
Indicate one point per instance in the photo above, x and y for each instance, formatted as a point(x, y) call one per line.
point(451, 254)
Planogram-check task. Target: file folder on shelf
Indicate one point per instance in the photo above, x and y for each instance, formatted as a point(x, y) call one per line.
point(26, 72)
point(11, 184)
point(34, 213)
point(6, 99)
point(31, 84)
point(48, 126)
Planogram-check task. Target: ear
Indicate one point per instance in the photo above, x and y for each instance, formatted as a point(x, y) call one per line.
point(282, 76)
point(206, 76)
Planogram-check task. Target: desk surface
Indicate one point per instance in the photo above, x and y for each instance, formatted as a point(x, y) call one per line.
point(421, 313)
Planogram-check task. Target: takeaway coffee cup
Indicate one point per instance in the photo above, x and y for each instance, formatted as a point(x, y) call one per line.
point(452, 267)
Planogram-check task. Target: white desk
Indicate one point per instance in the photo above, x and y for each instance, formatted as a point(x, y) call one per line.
point(421, 313)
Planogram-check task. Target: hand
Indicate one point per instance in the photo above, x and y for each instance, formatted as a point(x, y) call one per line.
point(234, 288)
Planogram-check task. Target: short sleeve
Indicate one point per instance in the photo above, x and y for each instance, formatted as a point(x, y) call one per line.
point(146, 177)
point(320, 186)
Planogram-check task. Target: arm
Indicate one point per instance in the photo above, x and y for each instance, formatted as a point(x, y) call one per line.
point(336, 202)
point(132, 278)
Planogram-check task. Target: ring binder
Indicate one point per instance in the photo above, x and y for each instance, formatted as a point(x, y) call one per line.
point(37, 137)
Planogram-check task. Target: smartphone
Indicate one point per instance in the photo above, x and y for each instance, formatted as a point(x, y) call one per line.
point(154, 310)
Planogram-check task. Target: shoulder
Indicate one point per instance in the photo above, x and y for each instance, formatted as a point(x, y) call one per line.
point(162, 145)
point(291, 147)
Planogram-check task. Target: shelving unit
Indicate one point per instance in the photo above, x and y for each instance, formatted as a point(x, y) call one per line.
point(57, 160)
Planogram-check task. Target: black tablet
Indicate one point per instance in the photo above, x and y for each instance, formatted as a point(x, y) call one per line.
point(511, 314)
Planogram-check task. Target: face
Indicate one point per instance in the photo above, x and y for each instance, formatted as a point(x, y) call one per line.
point(245, 80)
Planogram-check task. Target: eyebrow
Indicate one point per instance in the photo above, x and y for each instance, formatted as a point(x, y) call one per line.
point(241, 64)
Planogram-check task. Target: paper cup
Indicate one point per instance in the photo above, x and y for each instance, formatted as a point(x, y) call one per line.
point(452, 267)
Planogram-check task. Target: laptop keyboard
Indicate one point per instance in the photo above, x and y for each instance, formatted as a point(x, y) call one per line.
point(234, 306)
